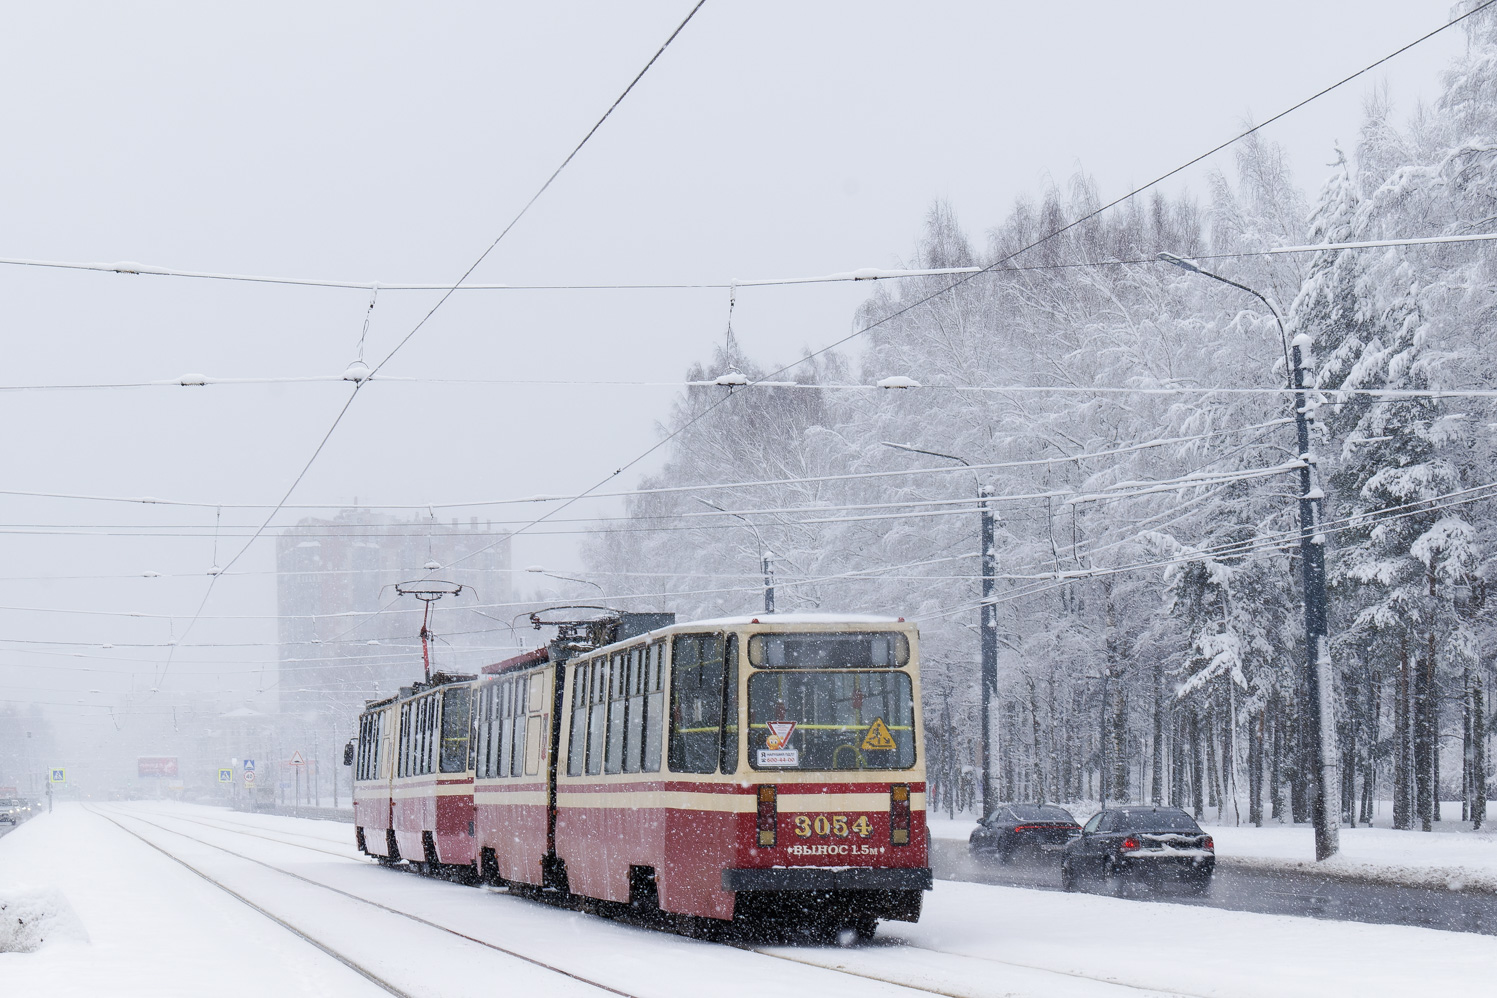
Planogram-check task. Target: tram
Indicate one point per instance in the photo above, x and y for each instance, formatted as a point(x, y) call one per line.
point(741, 769)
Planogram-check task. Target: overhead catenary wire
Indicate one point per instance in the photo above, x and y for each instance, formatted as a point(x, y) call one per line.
point(665, 490)
point(364, 380)
point(853, 276)
point(1039, 583)
point(1047, 581)
point(1042, 582)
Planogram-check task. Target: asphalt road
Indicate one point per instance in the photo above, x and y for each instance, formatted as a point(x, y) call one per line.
point(1274, 893)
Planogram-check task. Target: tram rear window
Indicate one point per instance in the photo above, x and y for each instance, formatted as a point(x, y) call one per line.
point(831, 720)
point(835, 650)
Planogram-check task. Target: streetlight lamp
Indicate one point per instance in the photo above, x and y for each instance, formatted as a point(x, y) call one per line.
point(987, 618)
point(766, 556)
point(1324, 812)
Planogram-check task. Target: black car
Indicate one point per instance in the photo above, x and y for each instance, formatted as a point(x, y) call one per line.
point(1032, 829)
point(1123, 847)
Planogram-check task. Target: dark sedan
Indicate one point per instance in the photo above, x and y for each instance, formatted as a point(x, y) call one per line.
point(1121, 848)
point(1028, 829)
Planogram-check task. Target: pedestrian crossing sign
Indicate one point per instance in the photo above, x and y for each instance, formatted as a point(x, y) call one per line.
point(59, 775)
point(225, 776)
point(878, 738)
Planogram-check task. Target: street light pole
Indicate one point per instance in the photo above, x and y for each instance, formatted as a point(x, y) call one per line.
point(1325, 812)
point(987, 619)
point(766, 556)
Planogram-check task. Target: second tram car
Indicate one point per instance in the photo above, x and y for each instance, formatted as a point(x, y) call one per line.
point(741, 769)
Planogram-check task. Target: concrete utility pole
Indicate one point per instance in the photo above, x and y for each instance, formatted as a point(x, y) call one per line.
point(987, 620)
point(1325, 809)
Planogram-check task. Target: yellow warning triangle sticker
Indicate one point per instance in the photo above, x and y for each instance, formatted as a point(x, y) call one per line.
point(878, 738)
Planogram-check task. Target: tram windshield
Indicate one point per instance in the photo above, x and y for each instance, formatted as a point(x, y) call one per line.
point(831, 720)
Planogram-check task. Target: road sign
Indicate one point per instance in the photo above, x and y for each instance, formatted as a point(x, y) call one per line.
point(878, 738)
point(156, 766)
point(249, 765)
point(297, 760)
point(249, 777)
point(225, 776)
point(58, 775)
point(779, 734)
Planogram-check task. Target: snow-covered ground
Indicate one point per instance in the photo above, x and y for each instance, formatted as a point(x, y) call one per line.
point(1451, 856)
point(148, 926)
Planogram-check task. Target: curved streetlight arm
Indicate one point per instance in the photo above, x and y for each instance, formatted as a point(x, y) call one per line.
point(533, 570)
point(757, 536)
point(765, 555)
point(1184, 264)
point(981, 491)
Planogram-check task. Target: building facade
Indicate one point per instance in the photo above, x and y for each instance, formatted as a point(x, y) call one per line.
point(346, 635)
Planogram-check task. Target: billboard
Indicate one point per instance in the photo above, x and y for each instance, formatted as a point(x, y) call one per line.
point(156, 765)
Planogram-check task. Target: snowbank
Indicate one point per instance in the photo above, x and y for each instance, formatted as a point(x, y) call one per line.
point(30, 918)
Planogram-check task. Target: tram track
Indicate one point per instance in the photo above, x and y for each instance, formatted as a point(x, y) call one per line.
point(239, 828)
point(834, 960)
point(542, 964)
point(1143, 989)
point(337, 955)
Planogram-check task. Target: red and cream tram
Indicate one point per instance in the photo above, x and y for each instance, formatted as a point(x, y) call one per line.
point(413, 782)
point(742, 768)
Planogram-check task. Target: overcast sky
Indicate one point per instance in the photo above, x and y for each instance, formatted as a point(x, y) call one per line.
point(392, 142)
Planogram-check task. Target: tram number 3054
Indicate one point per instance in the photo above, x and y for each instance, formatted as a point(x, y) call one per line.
point(839, 825)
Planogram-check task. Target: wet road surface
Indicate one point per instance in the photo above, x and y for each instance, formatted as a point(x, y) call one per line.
point(1266, 891)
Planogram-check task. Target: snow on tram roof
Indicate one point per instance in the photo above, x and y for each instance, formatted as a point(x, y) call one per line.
point(795, 618)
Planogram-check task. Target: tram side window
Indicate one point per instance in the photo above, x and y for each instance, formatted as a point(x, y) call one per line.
point(634, 689)
point(654, 682)
point(696, 702)
point(730, 709)
point(412, 737)
point(369, 737)
point(413, 748)
point(384, 753)
point(535, 702)
point(506, 715)
point(478, 742)
point(490, 752)
point(488, 745)
point(577, 739)
point(455, 724)
point(405, 739)
point(418, 739)
point(597, 714)
point(517, 705)
point(617, 694)
point(424, 761)
point(369, 747)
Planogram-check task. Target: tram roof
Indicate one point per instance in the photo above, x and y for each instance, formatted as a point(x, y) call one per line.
point(792, 619)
